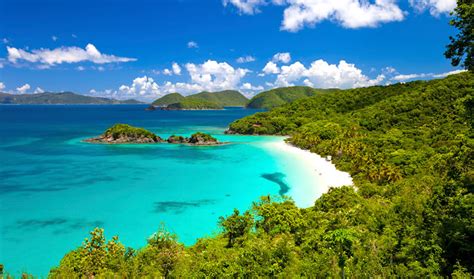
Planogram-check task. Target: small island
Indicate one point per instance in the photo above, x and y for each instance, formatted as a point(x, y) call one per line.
point(126, 134)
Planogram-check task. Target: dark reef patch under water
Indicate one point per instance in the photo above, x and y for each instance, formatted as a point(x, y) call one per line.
point(178, 207)
point(278, 178)
point(58, 225)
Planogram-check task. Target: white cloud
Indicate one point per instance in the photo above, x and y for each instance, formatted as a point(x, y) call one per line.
point(435, 7)
point(5, 41)
point(245, 59)
point(246, 6)
point(23, 89)
point(167, 72)
point(283, 57)
point(348, 13)
point(80, 68)
point(51, 57)
point(192, 44)
point(38, 90)
point(321, 74)
point(176, 69)
point(2, 86)
point(54, 38)
point(406, 77)
point(448, 73)
point(208, 76)
point(250, 90)
point(141, 87)
point(271, 68)
point(213, 76)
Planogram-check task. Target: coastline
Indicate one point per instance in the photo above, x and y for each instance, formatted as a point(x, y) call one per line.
point(319, 175)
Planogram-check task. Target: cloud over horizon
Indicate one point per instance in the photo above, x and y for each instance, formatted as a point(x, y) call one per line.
point(51, 57)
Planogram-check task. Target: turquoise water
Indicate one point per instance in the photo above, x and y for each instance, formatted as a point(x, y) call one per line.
point(54, 188)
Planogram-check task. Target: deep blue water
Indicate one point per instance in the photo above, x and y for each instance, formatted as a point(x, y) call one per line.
point(54, 188)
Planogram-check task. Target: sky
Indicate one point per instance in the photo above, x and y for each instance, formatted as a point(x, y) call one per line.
point(144, 49)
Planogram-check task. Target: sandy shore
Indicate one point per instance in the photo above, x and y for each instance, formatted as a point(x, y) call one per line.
point(309, 174)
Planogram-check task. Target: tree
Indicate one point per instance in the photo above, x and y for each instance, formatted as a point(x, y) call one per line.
point(236, 226)
point(462, 45)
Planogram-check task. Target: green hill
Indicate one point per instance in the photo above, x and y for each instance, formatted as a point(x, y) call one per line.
point(193, 104)
point(409, 149)
point(227, 98)
point(203, 100)
point(66, 98)
point(168, 99)
point(280, 96)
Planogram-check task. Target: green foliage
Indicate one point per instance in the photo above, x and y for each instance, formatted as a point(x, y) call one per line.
point(280, 96)
point(236, 226)
point(194, 104)
point(203, 100)
point(409, 149)
point(201, 137)
point(119, 130)
point(168, 99)
point(461, 48)
point(227, 98)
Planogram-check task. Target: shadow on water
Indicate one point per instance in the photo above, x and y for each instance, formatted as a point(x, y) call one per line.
point(178, 207)
point(278, 178)
point(57, 225)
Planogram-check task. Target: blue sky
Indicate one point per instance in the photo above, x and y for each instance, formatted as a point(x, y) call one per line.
point(127, 49)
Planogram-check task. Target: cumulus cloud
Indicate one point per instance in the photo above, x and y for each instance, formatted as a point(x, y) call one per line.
point(245, 59)
point(38, 90)
point(192, 44)
point(271, 68)
point(213, 75)
point(176, 69)
point(283, 57)
point(143, 87)
point(51, 57)
point(208, 76)
point(321, 74)
point(250, 90)
point(23, 89)
point(2, 86)
point(348, 13)
point(246, 6)
point(407, 77)
point(435, 7)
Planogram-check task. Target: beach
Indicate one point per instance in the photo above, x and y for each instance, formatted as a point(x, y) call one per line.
point(308, 174)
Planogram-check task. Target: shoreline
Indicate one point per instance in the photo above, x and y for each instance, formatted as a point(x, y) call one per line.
point(319, 174)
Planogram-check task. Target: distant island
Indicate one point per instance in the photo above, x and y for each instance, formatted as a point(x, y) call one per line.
point(127, 134)
point(281, 96)
point(61, 98)
point(200, 101)
point(231, 98)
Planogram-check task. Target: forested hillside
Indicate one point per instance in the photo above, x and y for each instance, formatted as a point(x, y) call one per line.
point(409, 148)
point(168, 99)
point(280, 96)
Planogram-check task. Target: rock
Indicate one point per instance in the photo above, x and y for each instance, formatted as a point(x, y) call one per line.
point(177, 139)
point(202, 139)
point(151, 107)
point(123, 133)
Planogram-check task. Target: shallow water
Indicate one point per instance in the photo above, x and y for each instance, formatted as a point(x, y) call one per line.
point(54, 188)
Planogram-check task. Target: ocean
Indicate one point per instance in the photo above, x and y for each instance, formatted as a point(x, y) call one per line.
point(54, 188)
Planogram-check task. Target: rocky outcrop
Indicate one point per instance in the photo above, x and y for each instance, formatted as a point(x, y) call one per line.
point(123, 133)
point(126, 134)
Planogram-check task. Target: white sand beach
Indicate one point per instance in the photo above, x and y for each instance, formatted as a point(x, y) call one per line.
point(308, 174)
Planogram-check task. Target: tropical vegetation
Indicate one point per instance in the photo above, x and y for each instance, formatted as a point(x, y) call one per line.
point(409, 149)
point(284, 95)
point(168, 99)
